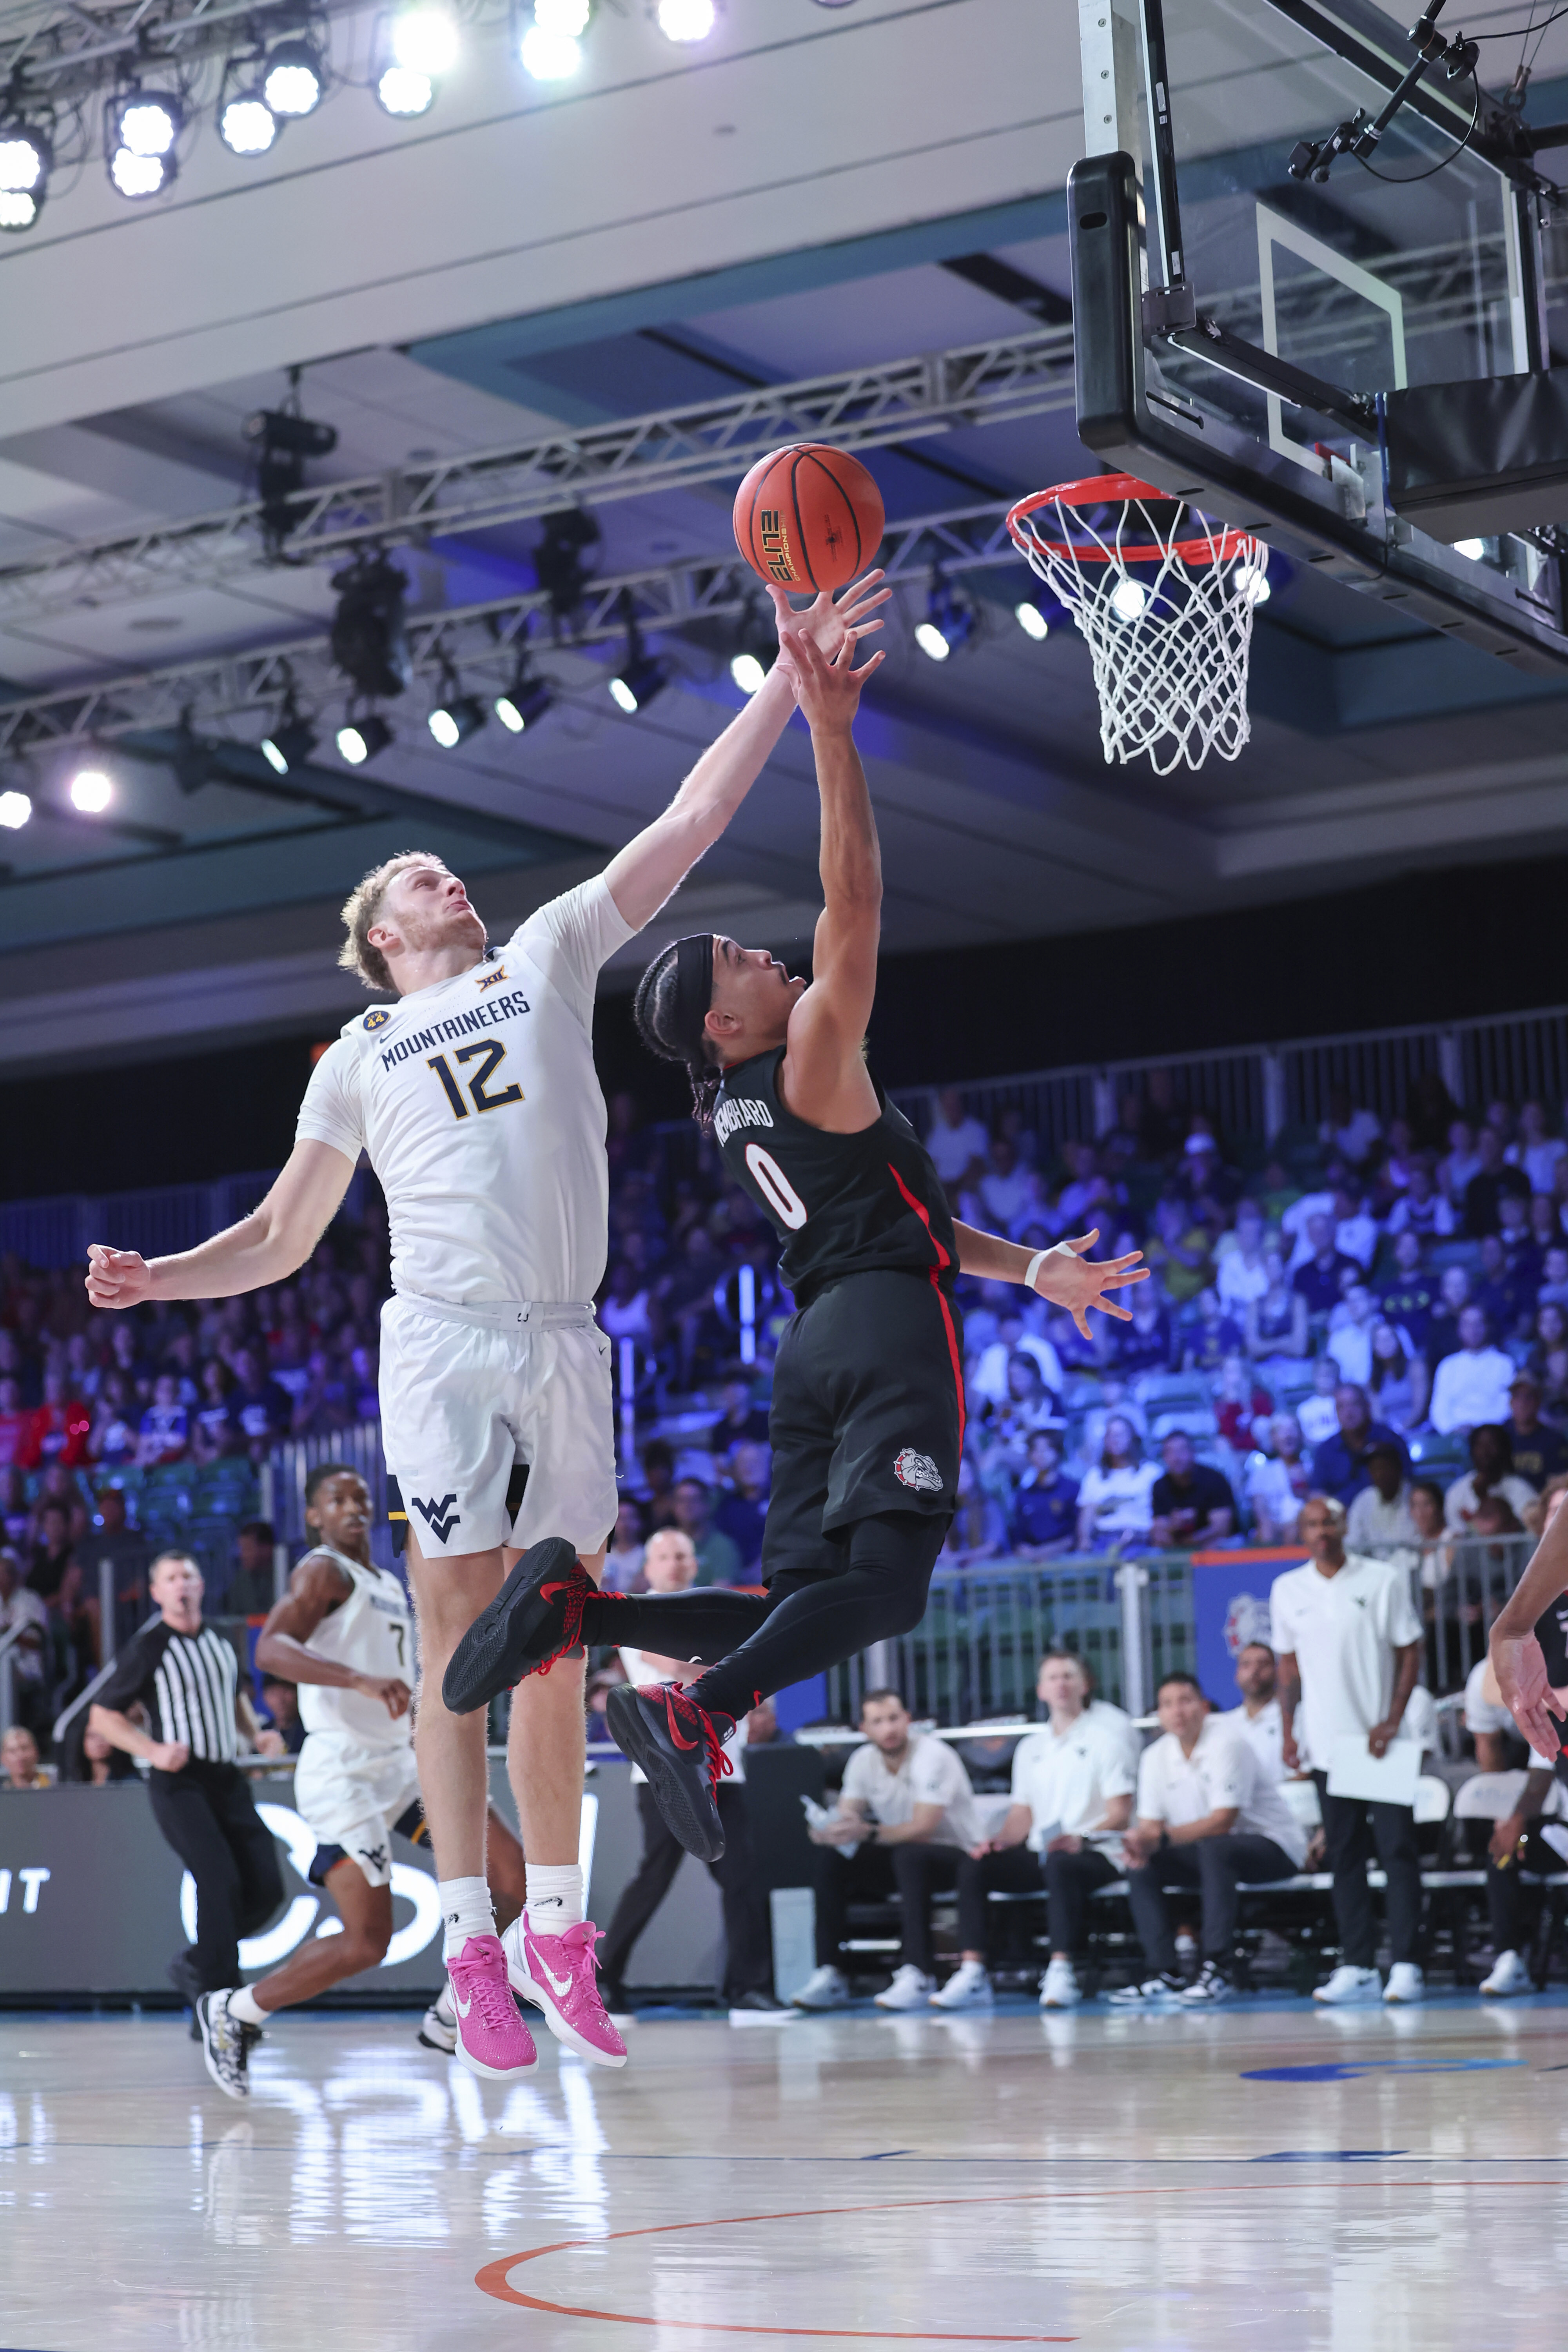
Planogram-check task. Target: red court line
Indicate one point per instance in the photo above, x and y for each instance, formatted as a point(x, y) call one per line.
point(493, 2279)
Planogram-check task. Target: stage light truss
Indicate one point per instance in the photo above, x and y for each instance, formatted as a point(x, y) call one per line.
point(860, 408)
point(238, 696)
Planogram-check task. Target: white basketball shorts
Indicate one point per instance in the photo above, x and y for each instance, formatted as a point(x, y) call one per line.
point(350, 1797)
point(470, 1398)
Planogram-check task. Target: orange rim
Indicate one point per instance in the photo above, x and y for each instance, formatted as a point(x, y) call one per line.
point(1109, 490)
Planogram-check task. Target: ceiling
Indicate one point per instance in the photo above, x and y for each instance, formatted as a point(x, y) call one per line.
point(814, 189)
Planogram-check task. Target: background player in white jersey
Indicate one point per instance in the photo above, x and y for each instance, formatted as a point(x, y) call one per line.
point(476, 1097)
point(343, 1634)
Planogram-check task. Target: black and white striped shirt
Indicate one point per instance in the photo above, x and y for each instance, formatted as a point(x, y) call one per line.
point(186, 1681)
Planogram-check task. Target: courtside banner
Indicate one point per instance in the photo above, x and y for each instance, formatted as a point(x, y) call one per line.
point(1230, 1607)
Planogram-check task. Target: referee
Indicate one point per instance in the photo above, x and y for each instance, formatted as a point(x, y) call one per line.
point(186, 1679)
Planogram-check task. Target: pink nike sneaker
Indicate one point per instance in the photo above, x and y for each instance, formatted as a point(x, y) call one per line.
point(492, 2039)
point(558, 1975)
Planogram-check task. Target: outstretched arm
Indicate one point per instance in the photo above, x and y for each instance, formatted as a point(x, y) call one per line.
point(642, 876)
point(823, 1078)
point(1067, 1277)
point(274, 1241)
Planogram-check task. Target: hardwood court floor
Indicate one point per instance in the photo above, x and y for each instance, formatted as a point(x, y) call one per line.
point(1269, 2176)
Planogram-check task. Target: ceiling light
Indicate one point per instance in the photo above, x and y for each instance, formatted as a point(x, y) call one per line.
point(686, 20)
point(951, 620)
point(25, 159)
point(18, 210)
point(425, 40)
point(1032, 621)
point(1252, 581)
point(295, 80)
point(1474, 548)
point(747, 672)
point(524, 704)
point(756, 646)
point(641, 677)
point(550, 57)
point(360, 740)
point(147, 123)
point(558, 566)
point(400, 90)
point(369, 640)
point(140, 175)
point(15, 808)
point(92, 791)
point(930, 639)
point(455, 719)
point(567, 18)
point(1128, 599)
point(246, 124)
point(291, 742)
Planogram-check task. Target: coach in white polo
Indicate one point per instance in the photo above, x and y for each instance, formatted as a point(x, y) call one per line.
point(1348, 1643)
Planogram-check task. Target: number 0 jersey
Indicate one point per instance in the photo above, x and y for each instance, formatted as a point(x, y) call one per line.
point(477, 1102)
point(372, 1633)
point(864, 1204)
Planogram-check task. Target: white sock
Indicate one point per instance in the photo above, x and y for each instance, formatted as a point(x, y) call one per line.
point(465, 1910)
point(556, 1896)
point(244, 2005)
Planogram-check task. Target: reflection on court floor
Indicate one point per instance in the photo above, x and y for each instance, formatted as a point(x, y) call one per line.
point(1267, 2176)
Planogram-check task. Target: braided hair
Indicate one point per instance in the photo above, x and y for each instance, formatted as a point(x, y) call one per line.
point(670, 1009)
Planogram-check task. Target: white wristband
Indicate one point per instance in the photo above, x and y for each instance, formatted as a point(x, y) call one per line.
point(1035, 1264)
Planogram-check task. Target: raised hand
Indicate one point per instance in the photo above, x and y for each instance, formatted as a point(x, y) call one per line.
point(826, 623)
point(828, 692)
point(1068, 1278)
point(394, 1693)
point(1528, 1698)
point(117, 1278)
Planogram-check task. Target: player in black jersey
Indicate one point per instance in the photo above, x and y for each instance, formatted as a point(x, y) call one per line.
point(1528, 1643)
point(867, 1422)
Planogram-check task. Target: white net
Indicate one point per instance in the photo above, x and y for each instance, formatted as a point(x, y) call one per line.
point(1164, 599)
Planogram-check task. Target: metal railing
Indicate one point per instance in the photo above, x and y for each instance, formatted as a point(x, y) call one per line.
point(158, 1221)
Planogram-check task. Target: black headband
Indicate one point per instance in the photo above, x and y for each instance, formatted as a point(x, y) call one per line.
point(693, 995)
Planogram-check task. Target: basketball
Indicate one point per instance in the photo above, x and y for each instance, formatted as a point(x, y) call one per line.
point(808, 517)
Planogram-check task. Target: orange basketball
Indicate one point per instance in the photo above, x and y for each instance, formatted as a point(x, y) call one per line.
point(808, 517)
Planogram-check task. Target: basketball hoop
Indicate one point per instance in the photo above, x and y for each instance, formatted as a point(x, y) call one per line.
point(1168, 619)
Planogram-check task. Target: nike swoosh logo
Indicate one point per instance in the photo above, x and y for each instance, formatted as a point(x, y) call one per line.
point(460, 2004)
point(559, 1986)
point(675, 1728)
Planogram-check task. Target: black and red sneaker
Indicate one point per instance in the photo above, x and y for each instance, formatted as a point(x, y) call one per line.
point(534, 1619)
point(680, 1747)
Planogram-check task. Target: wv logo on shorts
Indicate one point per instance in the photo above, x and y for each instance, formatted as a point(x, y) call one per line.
point(439, 1517)
point(918, 1470)
point(376, 1856)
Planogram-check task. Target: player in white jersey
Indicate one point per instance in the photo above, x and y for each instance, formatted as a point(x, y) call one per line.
point(476, 1097)
point(343, 1634)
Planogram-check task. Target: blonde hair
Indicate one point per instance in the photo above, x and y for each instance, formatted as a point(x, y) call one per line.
point(361, 912)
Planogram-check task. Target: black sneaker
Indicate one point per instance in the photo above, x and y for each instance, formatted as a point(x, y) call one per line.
point(1211, 1984)
point(762, 2003)
point(680, 1748)
point(184, 1976)
point(1155, 1992)
point(533, 1619)
point(226, 2045)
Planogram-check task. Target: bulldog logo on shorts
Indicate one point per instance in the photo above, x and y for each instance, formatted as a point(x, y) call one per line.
point(918, 1470)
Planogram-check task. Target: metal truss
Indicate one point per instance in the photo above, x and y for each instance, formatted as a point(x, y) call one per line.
point(62, 54)
point(482, 642)
point(861, 408)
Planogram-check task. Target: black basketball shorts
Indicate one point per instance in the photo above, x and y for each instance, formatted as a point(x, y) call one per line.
point(868, 1413)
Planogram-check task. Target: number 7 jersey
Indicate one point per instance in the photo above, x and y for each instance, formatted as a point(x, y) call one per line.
point(864, 1204)
point(478, 1105)
point(372, 1633)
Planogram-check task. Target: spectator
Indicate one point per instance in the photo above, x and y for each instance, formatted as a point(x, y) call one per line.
point(1462, 1163)
point(1257, 1720)
point(1045, 1508)
point(1351, 1133)
point(1545, 1223)
point(1397, 1384)
point(905, 1822)
point(1319, 1279)
point(19, 1760)
point(16, 1423)
point(623, 1561)
point(1350, 1334)
point(282, 1701)
point(1191, 1504)
point(115, 1432)
point(1005, 1188)
point(61, 1426)
point(1492, 1177)
point(992, 1378)
point(1241, 1272)
point(1410, 1300)
point(1072, 1797)
point(1534, 1150)
point(1538, 1452)
point(626, 1311)
point(1506, 1291)
point(1277, 1323)
point(1239, 1405)
point(14, 1514)
point(1339, 1463)
point(53, 1573)
point(1026, 1407)
point(1498, 1744)
point(90, 1760)
point(1379, 1519)
point(253, 1588)
point(1209, 1335)
point(1549, 1359)
point(1146, 1344)
point(1429, 1108)
point(978, 1529)
point(656, 1460)
point(30, 1655)
point(1422, 1213)
point(1177, 1252)
point(762, 1728)
point(1208, 1818)
point(1278, 1485)
point(166, 1425)
point(1348, 1642)
point(741, 1418)
point(1113, 1505)
point(956, 1141)
point(1471, 1385)
point(213, 1433)
point(717, 1556)
point(1554, 1290)
point(1355, 1231)
point(1491, 1472)
point(1443, 1331)
point(672, 1567)
point(741, 1514)
point(260, 1412)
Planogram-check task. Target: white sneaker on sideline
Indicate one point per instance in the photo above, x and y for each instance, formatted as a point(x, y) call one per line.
point(438, 2029)
point(1405, 1983)
point(824, 1988)
point(1510, 1975)
point(968, 1987)
point(911, 1989)
point(1163, 1991)
point(1350, 1988)
point(1059, 1987)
